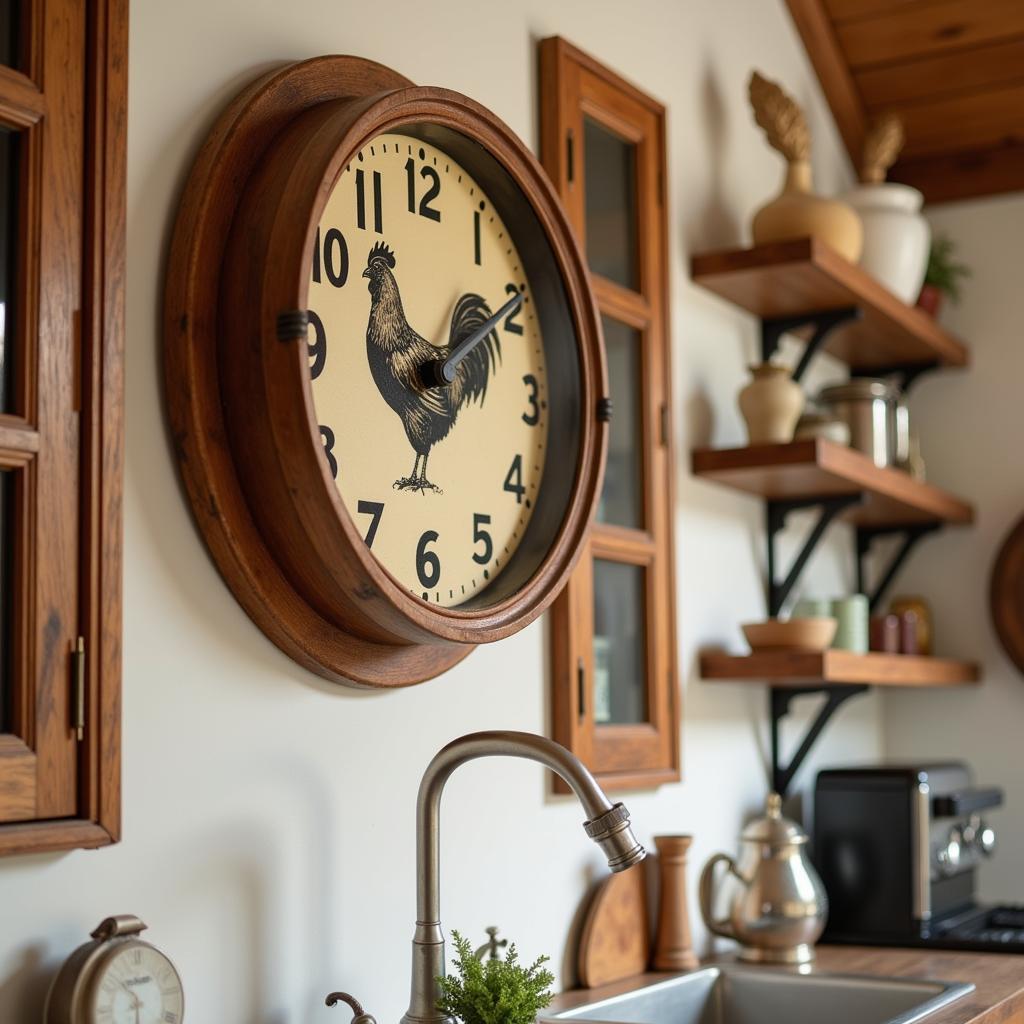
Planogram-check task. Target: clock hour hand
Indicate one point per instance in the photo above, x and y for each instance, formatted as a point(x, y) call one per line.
point(439, 373)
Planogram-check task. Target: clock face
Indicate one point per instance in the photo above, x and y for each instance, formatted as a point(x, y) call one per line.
point(137, 984)
point(411, 260)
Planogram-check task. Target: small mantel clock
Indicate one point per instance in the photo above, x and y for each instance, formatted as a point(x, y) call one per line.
point(116, 979)
point(383, 371)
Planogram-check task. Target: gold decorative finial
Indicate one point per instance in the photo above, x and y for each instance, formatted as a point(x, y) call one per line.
point(881, 148)
point(780, 118)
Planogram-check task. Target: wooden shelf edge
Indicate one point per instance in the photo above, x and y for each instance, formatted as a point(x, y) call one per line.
point(864, 290)
point(844, 466)
point(798, 668)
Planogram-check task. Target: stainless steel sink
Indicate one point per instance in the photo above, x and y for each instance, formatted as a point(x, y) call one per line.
point(733, 994)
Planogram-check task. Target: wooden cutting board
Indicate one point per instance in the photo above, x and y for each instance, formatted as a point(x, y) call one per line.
point(615, 941)
point(1007, 595)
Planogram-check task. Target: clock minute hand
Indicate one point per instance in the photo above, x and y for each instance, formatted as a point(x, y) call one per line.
point(438, 373)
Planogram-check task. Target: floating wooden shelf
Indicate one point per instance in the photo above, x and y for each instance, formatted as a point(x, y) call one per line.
point(809, 668)
point(819, 468)
point(805, 276)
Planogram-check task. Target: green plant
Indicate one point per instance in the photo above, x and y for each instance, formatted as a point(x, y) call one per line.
point(494, 991)
point(944, 272)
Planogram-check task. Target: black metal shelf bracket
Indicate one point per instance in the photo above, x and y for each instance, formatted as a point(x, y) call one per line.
point(777, 511)
point(781, 697)
point(866, 535)
point(824, 321)
point(905, 374)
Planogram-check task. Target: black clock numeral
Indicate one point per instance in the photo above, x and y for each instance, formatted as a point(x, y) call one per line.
point(317, 348)
point(331, 256)
point(375, 509)
point(327, 436)
point(476, 237)
point(425, 209)
point(510, 321)
point(428, 565)
point(514, 479)
point(378, 218)
point(531, 418)
point(170, 1017)
point(481, 536)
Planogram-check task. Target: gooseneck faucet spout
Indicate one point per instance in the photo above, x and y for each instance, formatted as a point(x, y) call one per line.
point(607, 824)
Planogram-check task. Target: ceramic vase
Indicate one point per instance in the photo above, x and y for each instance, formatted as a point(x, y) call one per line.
point(798, 213)
point(896, 236)
point(771, 404)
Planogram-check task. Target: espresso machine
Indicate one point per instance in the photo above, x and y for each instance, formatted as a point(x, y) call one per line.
point(898, 849)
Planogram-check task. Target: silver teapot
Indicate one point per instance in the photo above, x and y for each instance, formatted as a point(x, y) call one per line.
point(777, 906)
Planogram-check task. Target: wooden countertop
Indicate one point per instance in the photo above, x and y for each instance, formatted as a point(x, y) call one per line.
point(998, 997)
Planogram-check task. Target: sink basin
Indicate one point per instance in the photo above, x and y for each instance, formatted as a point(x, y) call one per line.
point(732, 994)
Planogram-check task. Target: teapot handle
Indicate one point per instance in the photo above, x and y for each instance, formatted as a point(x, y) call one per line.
point(719, 926)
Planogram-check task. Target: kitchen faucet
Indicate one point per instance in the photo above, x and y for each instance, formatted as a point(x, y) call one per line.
point(606, 824)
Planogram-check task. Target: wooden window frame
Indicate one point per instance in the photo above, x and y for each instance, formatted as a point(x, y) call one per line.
point(574, 85)
point(57, 791)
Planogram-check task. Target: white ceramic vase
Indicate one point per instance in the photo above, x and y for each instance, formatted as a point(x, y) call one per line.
point(896, 236)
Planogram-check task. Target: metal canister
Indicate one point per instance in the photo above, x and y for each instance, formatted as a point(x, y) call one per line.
point(867, 406)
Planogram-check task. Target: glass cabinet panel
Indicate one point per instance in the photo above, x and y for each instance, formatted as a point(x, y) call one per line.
point(610, 193)
point(620, 657)
point(10, 26)
point(6, 597)
point(622, 493)
point(9, 154)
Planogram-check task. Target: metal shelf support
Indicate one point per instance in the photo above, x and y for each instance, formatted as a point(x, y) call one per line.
point(777, 511)
point(781, 697)
point(866, 536)
point(905, 373)
point(823, 322)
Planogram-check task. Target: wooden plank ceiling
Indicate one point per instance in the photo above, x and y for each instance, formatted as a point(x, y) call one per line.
point(952, 69)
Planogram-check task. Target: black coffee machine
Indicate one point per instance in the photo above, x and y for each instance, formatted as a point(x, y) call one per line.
point(897, 849)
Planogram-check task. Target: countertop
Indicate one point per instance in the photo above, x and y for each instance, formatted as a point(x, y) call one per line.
point(998, 997)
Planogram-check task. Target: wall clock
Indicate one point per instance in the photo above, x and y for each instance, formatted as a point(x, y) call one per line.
point(383, 370)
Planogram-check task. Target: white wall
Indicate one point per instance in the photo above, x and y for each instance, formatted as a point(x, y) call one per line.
point(971, 425)
point(267, 816)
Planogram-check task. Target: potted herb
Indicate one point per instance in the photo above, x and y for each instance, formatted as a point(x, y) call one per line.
point(494, 991)
point(943, 277)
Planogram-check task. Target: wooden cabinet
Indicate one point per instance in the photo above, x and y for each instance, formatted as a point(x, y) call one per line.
point(62, 109)
point(614, 685)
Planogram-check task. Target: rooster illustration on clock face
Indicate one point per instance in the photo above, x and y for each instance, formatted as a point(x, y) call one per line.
point(425, 349)
point(407, 368)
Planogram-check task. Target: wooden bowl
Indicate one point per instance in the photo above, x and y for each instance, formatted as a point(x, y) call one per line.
point(792, 635)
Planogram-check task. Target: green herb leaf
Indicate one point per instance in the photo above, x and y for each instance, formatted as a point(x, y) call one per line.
point(494, 991)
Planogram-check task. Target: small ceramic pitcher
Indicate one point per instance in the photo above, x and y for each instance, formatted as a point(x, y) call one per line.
point(771, 404)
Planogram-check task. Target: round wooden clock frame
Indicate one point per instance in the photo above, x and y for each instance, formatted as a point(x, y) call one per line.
point(239, 398)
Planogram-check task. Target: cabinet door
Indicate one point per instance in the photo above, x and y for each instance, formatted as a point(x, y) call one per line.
point(62, 93)
point(614, 698)
point(42, 134)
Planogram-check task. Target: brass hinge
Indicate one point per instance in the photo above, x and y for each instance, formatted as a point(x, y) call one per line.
point(78, 675)
point(664, 425)
point(581, 689)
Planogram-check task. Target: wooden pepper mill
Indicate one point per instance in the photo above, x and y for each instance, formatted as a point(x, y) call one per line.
point(673, 947)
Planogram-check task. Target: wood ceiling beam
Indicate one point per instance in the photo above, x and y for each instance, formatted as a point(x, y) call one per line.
point(819, 38)
point(946, 178)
